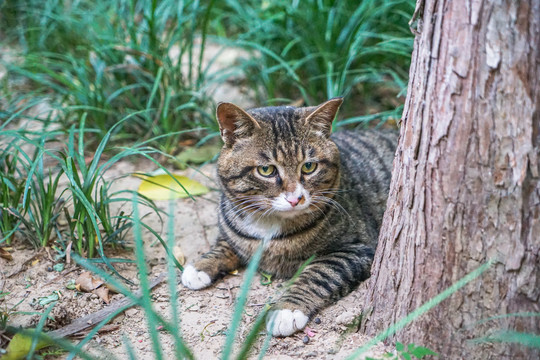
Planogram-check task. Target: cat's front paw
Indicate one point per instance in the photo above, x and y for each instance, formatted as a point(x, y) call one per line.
point(195, 279)
point(285, 322)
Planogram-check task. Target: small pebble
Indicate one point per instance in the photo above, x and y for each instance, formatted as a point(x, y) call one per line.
point(317, 321)
point(305, 339)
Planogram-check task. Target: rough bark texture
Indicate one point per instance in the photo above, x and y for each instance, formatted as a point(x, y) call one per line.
point(466, 187)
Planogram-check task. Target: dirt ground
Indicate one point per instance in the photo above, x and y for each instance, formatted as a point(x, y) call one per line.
point(205, 314)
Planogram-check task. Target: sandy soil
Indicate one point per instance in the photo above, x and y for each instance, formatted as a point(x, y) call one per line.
point(205, 315)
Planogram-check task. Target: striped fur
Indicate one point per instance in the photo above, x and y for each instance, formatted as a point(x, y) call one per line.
point(344, 200)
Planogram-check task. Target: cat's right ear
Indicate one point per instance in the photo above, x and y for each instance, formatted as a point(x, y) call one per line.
point(320, 120)
point(234, 123)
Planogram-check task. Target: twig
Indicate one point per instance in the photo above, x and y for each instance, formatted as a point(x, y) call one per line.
point(21, 266)
point(59, 277)
point(92, 319)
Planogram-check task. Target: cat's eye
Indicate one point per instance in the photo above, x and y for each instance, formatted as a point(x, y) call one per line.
point(267, 170)
point(309, 167)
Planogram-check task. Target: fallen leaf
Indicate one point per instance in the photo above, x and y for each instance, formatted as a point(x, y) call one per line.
point(45, 300)
point(20, 346)
point(164, 187)
point(68, 253)
point(86, 282)
point(58, 267)
point(5, 254)
point(70, 285)
point(197, 155)
point(266, 279)
point(103, 293)
point(34, 263)
point(179, 255)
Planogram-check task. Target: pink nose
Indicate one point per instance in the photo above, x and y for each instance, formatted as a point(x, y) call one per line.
point(294, 200)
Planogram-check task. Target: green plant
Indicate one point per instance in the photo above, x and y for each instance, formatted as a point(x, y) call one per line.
point(11, 192)
point(319, 49)
point(29, 203)
point(44, 206)
point(119, 58)
point(407, 353)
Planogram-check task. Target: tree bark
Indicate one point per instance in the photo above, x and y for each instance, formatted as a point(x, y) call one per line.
point(465, 186)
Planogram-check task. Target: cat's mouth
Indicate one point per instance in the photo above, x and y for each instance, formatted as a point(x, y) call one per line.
point(289, 209)
point(294, 212)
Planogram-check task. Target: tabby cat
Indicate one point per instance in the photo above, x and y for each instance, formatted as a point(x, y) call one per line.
point(289, 184)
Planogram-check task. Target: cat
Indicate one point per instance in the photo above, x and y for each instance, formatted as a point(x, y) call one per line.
point(287, 182)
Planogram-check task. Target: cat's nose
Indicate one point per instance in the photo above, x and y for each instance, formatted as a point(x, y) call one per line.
point(293, 200)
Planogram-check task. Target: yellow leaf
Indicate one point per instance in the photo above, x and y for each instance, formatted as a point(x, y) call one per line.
point(20, 346)
point(164, 187)
point(179, 255)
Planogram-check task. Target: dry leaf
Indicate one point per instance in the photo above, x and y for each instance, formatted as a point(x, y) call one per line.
point(197, 155)
point(20, 346)
point(179, 255)
point(35, 262)
point(86, 282)
point(103, 293)
point(5, 254)
point(164, 187)
point(68, 253)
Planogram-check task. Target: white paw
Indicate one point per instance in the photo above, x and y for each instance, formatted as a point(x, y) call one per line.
point(285, 322)
point(194, 279)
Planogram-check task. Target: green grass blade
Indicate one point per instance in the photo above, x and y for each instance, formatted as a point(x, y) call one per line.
point(143, 278)
point(428, 305)
point(241, 302)
point(257, 327)
point(510, 336)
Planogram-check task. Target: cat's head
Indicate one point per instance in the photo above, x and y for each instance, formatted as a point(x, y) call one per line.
point(279, 160)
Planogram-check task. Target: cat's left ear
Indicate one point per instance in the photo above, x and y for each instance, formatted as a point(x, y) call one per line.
point(320, 120)
point(234, 122)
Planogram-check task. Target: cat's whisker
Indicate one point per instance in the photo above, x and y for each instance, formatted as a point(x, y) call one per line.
point(332, 203)
point(319, 209)
point(238, 212)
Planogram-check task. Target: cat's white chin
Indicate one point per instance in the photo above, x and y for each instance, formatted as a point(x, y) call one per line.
point(291, 213)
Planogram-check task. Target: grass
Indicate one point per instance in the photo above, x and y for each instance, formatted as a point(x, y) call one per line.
point(34, 200)
point(318, 49)
point(110, 59)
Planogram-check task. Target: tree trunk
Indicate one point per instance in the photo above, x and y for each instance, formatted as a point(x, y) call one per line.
point(465, 186)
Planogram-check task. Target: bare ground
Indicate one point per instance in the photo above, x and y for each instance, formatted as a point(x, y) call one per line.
point(205, 315)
